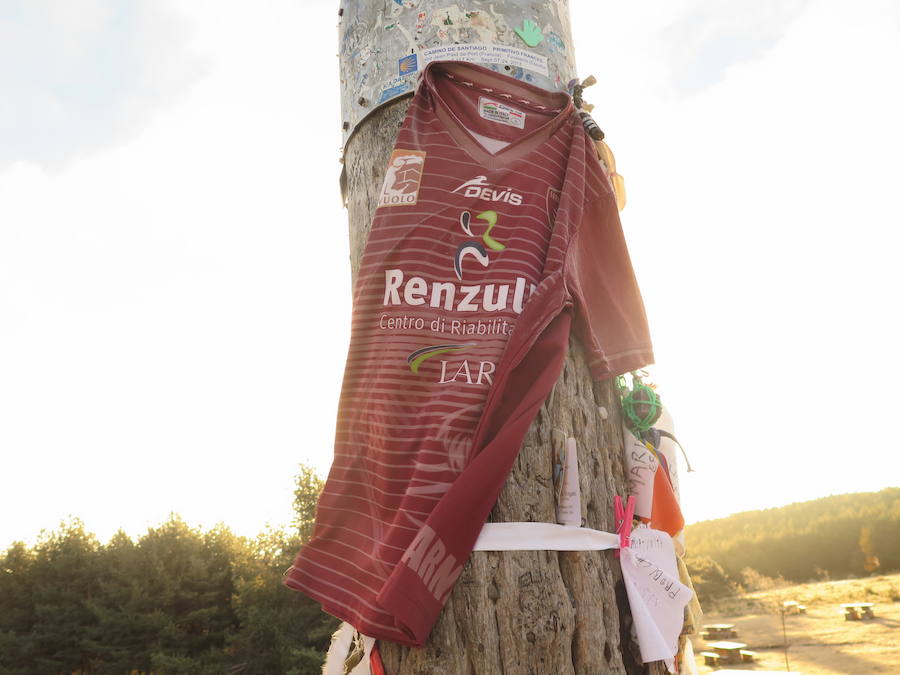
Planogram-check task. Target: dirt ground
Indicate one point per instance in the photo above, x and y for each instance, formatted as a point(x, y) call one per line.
point(820, 642)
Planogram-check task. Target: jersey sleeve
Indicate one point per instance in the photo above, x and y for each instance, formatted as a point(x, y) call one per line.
point(609, 315)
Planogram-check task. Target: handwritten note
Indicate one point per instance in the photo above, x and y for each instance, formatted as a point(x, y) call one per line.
point(568, 507)
point(656, 596)
point(641, 466)
point(647, 542)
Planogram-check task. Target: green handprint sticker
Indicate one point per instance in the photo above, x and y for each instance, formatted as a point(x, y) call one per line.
point(530, 33)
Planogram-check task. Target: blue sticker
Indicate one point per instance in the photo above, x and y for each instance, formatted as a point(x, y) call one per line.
point(392, 92)
point(556, 42)
point(408, 64)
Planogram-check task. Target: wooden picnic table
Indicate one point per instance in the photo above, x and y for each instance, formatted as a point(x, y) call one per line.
point(729, 671)
point(793, 607)
point(854, 611)
point(729, 652)
point(717, 631)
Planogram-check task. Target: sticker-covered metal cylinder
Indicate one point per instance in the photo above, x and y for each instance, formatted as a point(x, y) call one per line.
point(384, 44)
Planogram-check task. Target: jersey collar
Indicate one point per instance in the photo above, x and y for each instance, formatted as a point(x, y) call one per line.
point(522, 93)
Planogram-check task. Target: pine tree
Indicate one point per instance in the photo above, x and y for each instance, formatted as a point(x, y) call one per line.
point(65, 581)
point(17, 615)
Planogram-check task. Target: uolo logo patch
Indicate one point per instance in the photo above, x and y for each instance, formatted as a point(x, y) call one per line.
point(402, 178)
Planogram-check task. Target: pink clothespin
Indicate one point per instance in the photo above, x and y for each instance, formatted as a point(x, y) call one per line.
point(624, 517)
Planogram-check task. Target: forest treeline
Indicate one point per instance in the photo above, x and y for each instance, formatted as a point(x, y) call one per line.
point(176, 600)
point(181, 600)
point(835, 537)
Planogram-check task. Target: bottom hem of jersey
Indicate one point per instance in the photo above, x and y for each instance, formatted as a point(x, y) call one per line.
point(406, 599)
point(351, 618)
point(621, 364)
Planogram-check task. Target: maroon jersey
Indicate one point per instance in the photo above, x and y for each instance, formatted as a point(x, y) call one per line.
point(496, 230)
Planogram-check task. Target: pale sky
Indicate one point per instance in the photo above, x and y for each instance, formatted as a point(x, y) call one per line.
point(174, 275)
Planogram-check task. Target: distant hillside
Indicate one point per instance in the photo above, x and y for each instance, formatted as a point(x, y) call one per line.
point(837, 537)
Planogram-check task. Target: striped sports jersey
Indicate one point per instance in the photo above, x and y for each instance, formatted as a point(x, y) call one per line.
point(496, 231)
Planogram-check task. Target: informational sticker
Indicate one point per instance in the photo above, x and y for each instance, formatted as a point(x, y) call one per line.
point(394, 91)
point(496, 111)
point(402, 178)
point(487, 54)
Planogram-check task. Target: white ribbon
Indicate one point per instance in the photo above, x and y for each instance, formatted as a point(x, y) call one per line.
point(656, 595)
point(543, 537)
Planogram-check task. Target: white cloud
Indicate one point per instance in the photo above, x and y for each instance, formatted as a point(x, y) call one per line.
point(707, 37)
point(174, 310)
point(762, 221)
point(77, 77)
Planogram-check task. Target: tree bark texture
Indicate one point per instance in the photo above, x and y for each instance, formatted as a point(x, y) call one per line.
point(522, 612)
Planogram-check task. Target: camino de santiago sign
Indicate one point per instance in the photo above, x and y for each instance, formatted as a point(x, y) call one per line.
point(384, 45)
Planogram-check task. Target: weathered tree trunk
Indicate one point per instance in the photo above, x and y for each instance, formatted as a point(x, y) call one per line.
point(522, 612)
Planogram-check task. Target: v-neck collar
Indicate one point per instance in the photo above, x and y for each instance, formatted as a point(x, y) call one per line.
point(521, 93)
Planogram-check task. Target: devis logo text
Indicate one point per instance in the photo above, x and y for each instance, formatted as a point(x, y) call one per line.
point(478, 187)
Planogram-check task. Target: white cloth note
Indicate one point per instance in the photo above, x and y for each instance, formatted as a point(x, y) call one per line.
point(656, 596)
point(689, 665)
point(339, 650)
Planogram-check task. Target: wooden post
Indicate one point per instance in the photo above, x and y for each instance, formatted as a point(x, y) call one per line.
point(522, 612)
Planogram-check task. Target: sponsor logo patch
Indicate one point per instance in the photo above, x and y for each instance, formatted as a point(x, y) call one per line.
point(402, 178)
